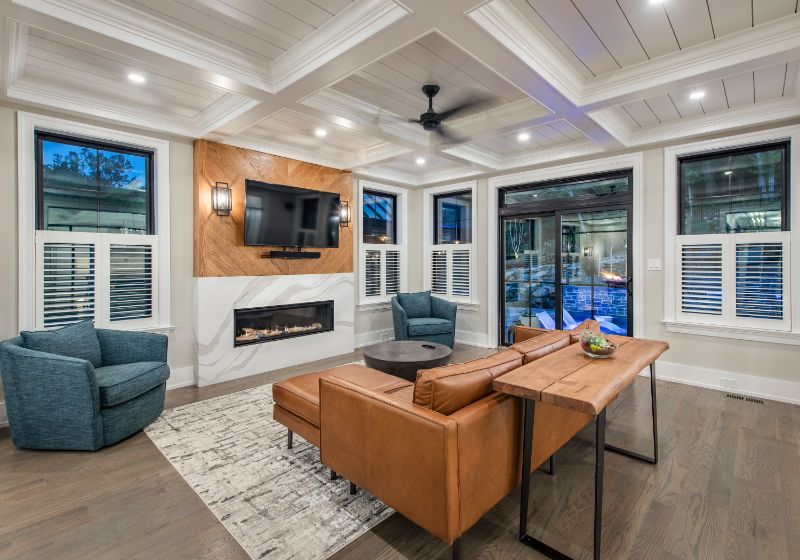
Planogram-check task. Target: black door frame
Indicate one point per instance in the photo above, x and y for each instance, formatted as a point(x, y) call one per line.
point(557, 208)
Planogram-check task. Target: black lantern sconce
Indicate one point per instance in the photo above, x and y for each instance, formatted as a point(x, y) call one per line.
point(344, 214)
point(221, 199)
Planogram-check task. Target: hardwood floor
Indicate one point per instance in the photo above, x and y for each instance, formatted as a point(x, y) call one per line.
point(727, 487)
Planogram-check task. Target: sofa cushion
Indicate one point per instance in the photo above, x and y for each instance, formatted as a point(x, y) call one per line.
point(542, 345)
point(124, 382)
point(430, 325)
point(78, 340)
point(416, 305)
point(448, 388)
point(300, 395)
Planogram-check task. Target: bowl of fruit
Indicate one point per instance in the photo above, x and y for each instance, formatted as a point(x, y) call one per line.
point(596, 345)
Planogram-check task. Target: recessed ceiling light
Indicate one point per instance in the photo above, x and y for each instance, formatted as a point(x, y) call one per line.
point(320, 133)
point(699, 94)
point(420, 160)
point(523, 136)
point(729, 172)
point(657, 1)
point(136, 78)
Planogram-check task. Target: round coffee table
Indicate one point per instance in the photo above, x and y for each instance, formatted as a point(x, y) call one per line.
point(403, 358)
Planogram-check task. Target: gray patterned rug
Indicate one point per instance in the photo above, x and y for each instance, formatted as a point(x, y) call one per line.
point(277, 503)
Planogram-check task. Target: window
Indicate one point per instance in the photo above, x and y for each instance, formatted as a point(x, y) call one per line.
point(452, 218)
point(731, 241)
point(735, 191)
point(97, 248)
point(449, 256)
point(382, 249)
point(379, 212)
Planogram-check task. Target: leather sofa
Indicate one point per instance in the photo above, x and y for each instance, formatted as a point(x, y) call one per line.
point(441, 451)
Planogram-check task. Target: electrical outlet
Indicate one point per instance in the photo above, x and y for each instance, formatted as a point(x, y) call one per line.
point(728, 382)
point(653, 264)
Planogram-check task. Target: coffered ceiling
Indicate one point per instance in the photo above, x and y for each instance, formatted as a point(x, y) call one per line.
point(337, 82)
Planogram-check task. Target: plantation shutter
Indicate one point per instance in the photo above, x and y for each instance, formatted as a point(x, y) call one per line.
point(734, 279)
point(382, 272)
point(66, 290)
point(108, 278)
point(450, 271)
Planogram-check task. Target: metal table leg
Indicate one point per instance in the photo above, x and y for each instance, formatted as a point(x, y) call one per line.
point(632, 454)
point(527, 446)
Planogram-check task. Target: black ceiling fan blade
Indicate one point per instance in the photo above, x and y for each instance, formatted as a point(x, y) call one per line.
point(461, 108)
point(447, 138)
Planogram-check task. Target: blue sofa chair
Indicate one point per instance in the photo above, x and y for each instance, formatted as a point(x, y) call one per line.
point(82, 388)
point(420, 316)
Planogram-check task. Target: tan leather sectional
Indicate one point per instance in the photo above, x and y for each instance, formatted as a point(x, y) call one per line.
point(441, 451)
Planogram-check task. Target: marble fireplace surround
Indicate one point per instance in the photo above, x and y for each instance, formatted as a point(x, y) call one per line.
point(215, 298)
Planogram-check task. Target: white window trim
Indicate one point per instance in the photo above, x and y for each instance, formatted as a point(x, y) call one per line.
point(428, 209)
point(27, 125)
point(671, 155)
point(401, 245)
point(634, 161)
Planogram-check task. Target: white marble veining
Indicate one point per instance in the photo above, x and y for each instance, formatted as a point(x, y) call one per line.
point(216, 298)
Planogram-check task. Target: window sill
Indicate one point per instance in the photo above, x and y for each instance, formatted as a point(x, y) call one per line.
point(737, 333)
point(164, 329)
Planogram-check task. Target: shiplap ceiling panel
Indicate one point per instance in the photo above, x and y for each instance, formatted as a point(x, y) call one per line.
point(395, 81)
point(651, 26)
point(641, 113)
point(715, 98)
point(770, 82)
point(80, 67)
point(408, 165)
point(609, 23)
point(690, 20)
point(570, 25)
point(664, 108)
point(768, 10)
point(540, 137)
point(740, 89)
point(729, 16)
point(298, 130)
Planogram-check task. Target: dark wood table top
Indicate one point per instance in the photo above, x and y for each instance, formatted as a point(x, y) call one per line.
point(407, 351)
point(568, 378)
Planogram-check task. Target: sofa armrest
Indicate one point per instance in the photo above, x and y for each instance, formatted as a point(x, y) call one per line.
point(403, 454)
point(400, 320)
point(522, 332)
point(52, 401)
point(443, 309)
point(128, 347)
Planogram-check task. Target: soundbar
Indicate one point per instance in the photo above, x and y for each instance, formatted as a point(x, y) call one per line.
point(291, 255)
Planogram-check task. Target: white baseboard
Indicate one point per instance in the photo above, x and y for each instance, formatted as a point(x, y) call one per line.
point(738, 383)
point(374, 337)
point(473, 339)
point(179, 377)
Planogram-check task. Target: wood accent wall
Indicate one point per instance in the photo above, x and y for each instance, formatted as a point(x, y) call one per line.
point(219, 248)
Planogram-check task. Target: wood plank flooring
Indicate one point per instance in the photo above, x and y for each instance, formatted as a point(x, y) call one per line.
point(727, 487)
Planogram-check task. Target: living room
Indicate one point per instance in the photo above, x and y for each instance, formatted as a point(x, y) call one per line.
point(361, 279)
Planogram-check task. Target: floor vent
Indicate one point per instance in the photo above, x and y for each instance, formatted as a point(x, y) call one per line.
point(746, 399)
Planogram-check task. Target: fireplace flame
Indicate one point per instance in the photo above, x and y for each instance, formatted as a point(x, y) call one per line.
point(248, 333)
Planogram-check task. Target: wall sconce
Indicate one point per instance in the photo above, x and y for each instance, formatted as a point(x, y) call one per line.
point(587, 251)
point(221, 199)
point(344, 214)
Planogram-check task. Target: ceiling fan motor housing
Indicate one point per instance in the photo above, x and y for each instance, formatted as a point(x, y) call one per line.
point(429, 119)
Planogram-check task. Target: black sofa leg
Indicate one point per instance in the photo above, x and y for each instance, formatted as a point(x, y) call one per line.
point(553, 464)
point(334, 476)
point(457, 549)
point(353, 489)
point(291, 439)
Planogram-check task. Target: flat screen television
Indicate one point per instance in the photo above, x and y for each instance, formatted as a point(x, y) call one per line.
point(284, 216)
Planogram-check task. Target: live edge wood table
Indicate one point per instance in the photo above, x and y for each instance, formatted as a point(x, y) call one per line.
point(570, 379)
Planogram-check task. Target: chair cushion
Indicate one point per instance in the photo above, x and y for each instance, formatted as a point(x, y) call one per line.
point(542, 345)
point(429, 325)
point(447, 389)
point(78, 340)
point(416, 305)
point(124, 382)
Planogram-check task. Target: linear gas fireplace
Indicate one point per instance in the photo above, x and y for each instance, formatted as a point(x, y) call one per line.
point(265, 324)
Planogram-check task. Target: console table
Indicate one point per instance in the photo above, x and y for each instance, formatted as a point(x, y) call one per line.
point(570, 379)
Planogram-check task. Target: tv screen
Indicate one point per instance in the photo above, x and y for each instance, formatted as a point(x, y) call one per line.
point(284, 216)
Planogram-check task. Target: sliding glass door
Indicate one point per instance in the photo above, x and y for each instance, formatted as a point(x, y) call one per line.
point(566, 255)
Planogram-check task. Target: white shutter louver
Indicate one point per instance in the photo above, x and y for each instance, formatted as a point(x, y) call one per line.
point(701, 278)
point(392, 272)
point(130, 282)
point(461, 272)
point(68, 283)
point(372, 273)
point(759, 280)
point(439, 272)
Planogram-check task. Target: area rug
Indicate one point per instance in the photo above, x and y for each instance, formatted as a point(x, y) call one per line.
point(277, 503)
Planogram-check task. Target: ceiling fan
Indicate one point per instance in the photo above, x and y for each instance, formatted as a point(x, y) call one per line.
point(432, 121)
